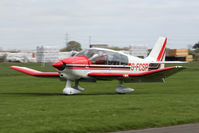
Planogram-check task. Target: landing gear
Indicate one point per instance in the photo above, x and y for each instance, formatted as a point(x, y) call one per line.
point(77, 86)
point(76, 89)
point(72, 90)
point(122, 89)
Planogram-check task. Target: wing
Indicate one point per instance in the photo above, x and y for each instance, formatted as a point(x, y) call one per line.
point(35, 72)
point(150, 76)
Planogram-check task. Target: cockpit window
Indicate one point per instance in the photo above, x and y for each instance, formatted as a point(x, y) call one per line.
point(103, 57)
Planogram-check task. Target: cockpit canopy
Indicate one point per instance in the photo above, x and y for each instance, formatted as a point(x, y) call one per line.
point(104, 57)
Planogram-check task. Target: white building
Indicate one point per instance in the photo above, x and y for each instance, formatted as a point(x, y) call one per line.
point(139, 51)
point(47, 54)
point(20, 57)
point(51, 54)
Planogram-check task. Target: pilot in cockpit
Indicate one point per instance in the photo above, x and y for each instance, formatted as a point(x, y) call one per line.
point(98, 54)
point(98, 58)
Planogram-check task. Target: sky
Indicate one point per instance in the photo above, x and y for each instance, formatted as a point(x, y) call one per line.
point(26, 24)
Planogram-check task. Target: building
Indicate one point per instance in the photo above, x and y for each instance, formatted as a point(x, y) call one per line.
point(46, 54)
point(139, 51)
point(22, 56)
point(51, 54)
point(178, 55)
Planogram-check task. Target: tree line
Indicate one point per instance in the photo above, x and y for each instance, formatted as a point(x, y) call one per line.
point(195, 51)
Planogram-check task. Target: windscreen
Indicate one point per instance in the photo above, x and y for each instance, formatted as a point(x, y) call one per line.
point(104, 57)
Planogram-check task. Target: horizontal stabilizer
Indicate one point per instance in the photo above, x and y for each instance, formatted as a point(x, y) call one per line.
point(169, 62)
point(33, 72)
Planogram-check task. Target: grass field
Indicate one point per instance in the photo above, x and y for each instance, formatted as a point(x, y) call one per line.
point(30, 104)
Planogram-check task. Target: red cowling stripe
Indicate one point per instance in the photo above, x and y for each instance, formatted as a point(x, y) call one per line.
point(162, 50)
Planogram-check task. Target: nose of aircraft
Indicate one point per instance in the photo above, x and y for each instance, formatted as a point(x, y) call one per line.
point(58, 65)
point(72, 60)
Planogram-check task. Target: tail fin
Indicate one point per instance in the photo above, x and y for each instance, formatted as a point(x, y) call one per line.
point(158, 52)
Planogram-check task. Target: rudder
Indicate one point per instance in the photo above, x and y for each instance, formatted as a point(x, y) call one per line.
point(159, 50)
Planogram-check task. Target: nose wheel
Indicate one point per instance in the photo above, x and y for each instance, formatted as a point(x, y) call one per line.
point(121, 89)
point(68, 90)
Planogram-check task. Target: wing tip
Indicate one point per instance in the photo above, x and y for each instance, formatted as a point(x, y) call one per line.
point(33, 72)
point(14, 67)
point(180, 67)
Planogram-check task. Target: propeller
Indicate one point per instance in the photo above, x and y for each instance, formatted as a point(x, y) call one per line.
point(59, 65)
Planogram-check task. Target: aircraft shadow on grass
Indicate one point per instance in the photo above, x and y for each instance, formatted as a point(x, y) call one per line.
point(61, 94)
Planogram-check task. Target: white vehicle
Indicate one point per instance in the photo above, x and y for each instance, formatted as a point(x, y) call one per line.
point(103, 64)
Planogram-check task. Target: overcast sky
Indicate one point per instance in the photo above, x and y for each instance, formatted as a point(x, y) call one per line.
point(25, 24)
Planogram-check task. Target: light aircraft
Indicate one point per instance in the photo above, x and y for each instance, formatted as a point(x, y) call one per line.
point(104, 64)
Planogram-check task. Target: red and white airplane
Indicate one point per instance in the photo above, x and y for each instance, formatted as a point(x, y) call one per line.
point(104, 64)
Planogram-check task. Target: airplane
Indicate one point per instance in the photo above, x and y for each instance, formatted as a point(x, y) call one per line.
point(95, 64)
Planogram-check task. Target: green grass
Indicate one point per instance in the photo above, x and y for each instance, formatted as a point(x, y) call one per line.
point(30, 104)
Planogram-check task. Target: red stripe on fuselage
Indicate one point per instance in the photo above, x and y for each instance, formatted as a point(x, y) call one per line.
point(78, 68)
point(99, 68)
point(129, 74)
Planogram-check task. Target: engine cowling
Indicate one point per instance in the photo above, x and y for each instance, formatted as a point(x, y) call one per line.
point(81, 60)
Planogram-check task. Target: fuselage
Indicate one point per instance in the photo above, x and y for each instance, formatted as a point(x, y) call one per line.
point(100, 60)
